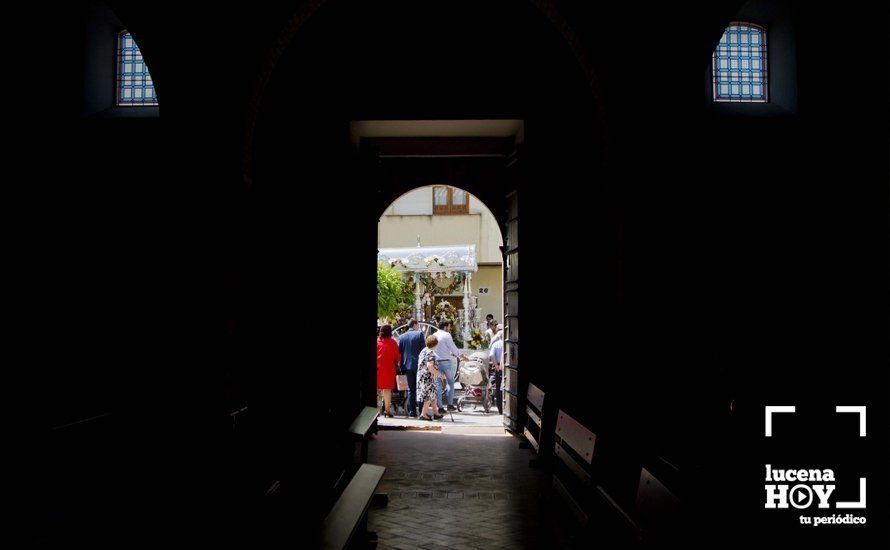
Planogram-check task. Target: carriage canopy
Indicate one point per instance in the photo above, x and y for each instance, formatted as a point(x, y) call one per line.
point(431, 259)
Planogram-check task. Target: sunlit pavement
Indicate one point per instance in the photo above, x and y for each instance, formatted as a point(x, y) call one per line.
point(468, 421)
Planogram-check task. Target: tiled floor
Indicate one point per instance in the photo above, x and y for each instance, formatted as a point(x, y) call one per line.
point(460, 490)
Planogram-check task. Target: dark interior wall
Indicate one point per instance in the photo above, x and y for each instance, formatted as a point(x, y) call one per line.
point(92, 289)
point(96, 220)
point(100, 36)
point(172, 294)
point(783, 279)
point(102, 25)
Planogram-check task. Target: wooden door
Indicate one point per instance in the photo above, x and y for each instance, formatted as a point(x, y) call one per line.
point(511, 315)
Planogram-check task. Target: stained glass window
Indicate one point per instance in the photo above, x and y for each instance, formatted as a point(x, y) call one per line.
point(134, 84)
point(738, 66)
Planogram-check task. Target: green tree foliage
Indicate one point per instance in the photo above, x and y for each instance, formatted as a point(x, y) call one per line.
point(390, 290)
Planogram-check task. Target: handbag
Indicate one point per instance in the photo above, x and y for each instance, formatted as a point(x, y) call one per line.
point(402, 382)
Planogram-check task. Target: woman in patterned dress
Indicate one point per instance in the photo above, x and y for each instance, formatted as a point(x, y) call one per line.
point(427, 372)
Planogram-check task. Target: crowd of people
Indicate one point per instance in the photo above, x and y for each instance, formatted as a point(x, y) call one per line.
point(429, 365)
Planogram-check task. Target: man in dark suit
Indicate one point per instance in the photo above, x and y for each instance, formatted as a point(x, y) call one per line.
point(410, 345)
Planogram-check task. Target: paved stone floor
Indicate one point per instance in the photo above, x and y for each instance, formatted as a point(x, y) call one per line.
point(467, 421)
point(465, 489)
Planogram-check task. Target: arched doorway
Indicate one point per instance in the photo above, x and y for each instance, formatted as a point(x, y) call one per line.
point(302, 162)
point(443, 247)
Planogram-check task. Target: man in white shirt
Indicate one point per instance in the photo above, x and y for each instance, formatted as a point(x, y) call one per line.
point(496, 356)
point(446, 353)
point(491, 331)
point(497, 333)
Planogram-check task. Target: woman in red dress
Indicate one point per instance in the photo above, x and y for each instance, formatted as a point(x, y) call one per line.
point(388, 358)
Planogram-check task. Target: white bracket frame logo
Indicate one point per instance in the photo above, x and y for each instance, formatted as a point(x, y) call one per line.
point(770, 410)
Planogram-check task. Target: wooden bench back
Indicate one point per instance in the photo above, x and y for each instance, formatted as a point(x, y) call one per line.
point(657, 507)
point(571, 434)
point(572, 478)
point(535, 397)
point(534, 410)
point(347, 516)
point(361, 426)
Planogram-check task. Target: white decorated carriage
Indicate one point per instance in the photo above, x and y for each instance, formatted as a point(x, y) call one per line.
point(439, 270)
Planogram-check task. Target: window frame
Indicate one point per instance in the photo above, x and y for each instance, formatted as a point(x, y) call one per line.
point(449, 208)
point(118, 73)
point(764, 31)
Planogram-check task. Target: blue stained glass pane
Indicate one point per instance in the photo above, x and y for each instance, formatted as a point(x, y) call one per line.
point(134, 84)
point(738, 65)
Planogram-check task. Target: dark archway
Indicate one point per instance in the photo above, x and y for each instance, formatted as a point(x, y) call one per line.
point(503, 65)
point(507, 62)
point(288, 33)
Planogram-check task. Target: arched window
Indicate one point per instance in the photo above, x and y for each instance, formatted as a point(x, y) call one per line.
point(134, 84)
point(738, 66)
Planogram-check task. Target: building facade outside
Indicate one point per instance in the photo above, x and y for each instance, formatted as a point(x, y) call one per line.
point(440, 215)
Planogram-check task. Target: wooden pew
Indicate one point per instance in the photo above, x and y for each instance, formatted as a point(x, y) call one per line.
point(651, 515)
point(346, 524)
point(657, 509)
point(655, 516)
point(363, 427)
point(253, 480)
point(573, 473)
point(534, 425)
point(359, 432)
point(239, 418)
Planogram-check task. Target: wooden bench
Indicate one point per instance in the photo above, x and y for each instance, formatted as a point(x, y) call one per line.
point(362, 428)
point(346, 524)
point(573, 474)
point(655, 515)
point(254, 480)
point(657, 509)
point(239, 418)
point(579, 471)
point(534, 425)
point(359, 432)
